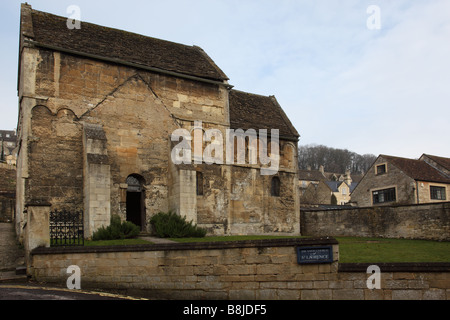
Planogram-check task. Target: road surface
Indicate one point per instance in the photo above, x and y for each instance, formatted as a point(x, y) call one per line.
point(26, 292)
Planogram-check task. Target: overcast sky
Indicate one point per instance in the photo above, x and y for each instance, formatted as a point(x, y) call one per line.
point(345, 78)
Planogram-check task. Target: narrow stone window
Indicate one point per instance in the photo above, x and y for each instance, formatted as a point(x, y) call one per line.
point(199, 183)
point(275, 187)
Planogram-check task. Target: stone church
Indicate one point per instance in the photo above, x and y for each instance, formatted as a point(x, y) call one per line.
point(97, 109)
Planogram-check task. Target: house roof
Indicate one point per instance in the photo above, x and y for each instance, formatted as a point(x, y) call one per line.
point(9, 136)
point(252, 111)
point(334, 185)
point(417, 169)
point(51, 30)
point(311, 175)
point(443, 162)
point(353, 186)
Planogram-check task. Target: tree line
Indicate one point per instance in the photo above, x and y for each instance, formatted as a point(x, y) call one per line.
point(334, 160)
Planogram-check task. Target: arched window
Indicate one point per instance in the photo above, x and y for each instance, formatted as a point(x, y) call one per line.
point(275, 187)
point(199, 183)
point(134, 185)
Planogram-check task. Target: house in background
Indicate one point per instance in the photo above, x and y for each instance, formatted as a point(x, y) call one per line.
point(8, 152)
point(317, 187)
point(8, 140)
point(395, 180)
point(439, 163)
point(7, 192)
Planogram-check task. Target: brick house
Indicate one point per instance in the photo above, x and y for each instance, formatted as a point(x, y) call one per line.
point(98, 107)
point(398, 180)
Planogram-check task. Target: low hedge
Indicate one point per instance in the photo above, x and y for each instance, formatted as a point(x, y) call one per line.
point(171, 225)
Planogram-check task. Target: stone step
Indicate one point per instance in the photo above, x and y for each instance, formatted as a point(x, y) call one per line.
point(22, 270)
point(9, 276)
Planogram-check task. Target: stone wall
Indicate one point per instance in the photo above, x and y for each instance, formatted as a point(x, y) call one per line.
point(247, 270)
point(426, 221)
point(7, 192)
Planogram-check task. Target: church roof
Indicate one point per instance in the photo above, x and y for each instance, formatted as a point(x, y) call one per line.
point(252, 111)
point(91, 39)
point(247, 111)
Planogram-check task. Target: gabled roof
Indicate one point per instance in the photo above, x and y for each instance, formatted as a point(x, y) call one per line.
point(417, 169)
point(252, 111)
point(353, 186)
point(443, 162)
point(311, 175)
point(334, 185)
point(50, 30)
point(9, 136)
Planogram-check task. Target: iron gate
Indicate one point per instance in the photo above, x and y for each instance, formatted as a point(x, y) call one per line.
point(66, 228)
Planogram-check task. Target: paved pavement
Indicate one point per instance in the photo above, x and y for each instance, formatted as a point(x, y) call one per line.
point(156, 240)
point(12, 255)
point(29, 292)
point(15, 286)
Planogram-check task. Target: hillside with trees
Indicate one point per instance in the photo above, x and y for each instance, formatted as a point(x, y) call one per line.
point(334, 160)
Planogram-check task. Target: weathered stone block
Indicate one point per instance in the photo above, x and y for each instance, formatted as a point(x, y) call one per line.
point(407, 294)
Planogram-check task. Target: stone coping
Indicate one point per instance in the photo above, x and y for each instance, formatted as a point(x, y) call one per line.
point(294, 242)
point(396, 205)
point(397, 267)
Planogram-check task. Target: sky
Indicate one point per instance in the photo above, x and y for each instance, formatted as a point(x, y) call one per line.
point(372, 77)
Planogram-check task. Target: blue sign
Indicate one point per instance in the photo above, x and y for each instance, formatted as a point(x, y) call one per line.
point(315, 255)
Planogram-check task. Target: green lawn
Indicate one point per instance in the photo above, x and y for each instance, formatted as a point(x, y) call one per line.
point(355, 250)
point(351, 249)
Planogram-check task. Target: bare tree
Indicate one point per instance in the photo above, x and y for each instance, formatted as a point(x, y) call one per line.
point(334, 160)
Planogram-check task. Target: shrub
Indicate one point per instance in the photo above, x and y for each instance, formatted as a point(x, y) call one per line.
point(171, 225)
point(117, 230)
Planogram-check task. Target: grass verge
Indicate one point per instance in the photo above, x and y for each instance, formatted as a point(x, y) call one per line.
point(356, 250)
point(120, 242)
point(359, 250)
point(351, 249)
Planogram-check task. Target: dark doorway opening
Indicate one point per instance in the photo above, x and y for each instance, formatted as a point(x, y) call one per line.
point(136, 201)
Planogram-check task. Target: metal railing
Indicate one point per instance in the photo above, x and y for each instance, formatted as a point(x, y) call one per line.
point(66, 228)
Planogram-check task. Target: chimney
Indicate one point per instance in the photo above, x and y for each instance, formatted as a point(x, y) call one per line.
point(348, 179)
point(322, 169)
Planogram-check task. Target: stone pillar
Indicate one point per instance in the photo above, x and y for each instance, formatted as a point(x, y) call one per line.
point(36, 228)
point(97, 180)
point(188, 195)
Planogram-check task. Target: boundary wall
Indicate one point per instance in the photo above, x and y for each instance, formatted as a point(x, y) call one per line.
point(242, 270)
point(429, 221)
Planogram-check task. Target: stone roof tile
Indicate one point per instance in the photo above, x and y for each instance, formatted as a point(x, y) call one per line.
point(252, 111)
point(49, 29)
point(417, 169)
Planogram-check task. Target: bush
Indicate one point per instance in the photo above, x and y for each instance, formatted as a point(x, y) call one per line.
point(117, 230)
point(171, 225)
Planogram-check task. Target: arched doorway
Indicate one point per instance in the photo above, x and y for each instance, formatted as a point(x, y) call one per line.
point(136, 200)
